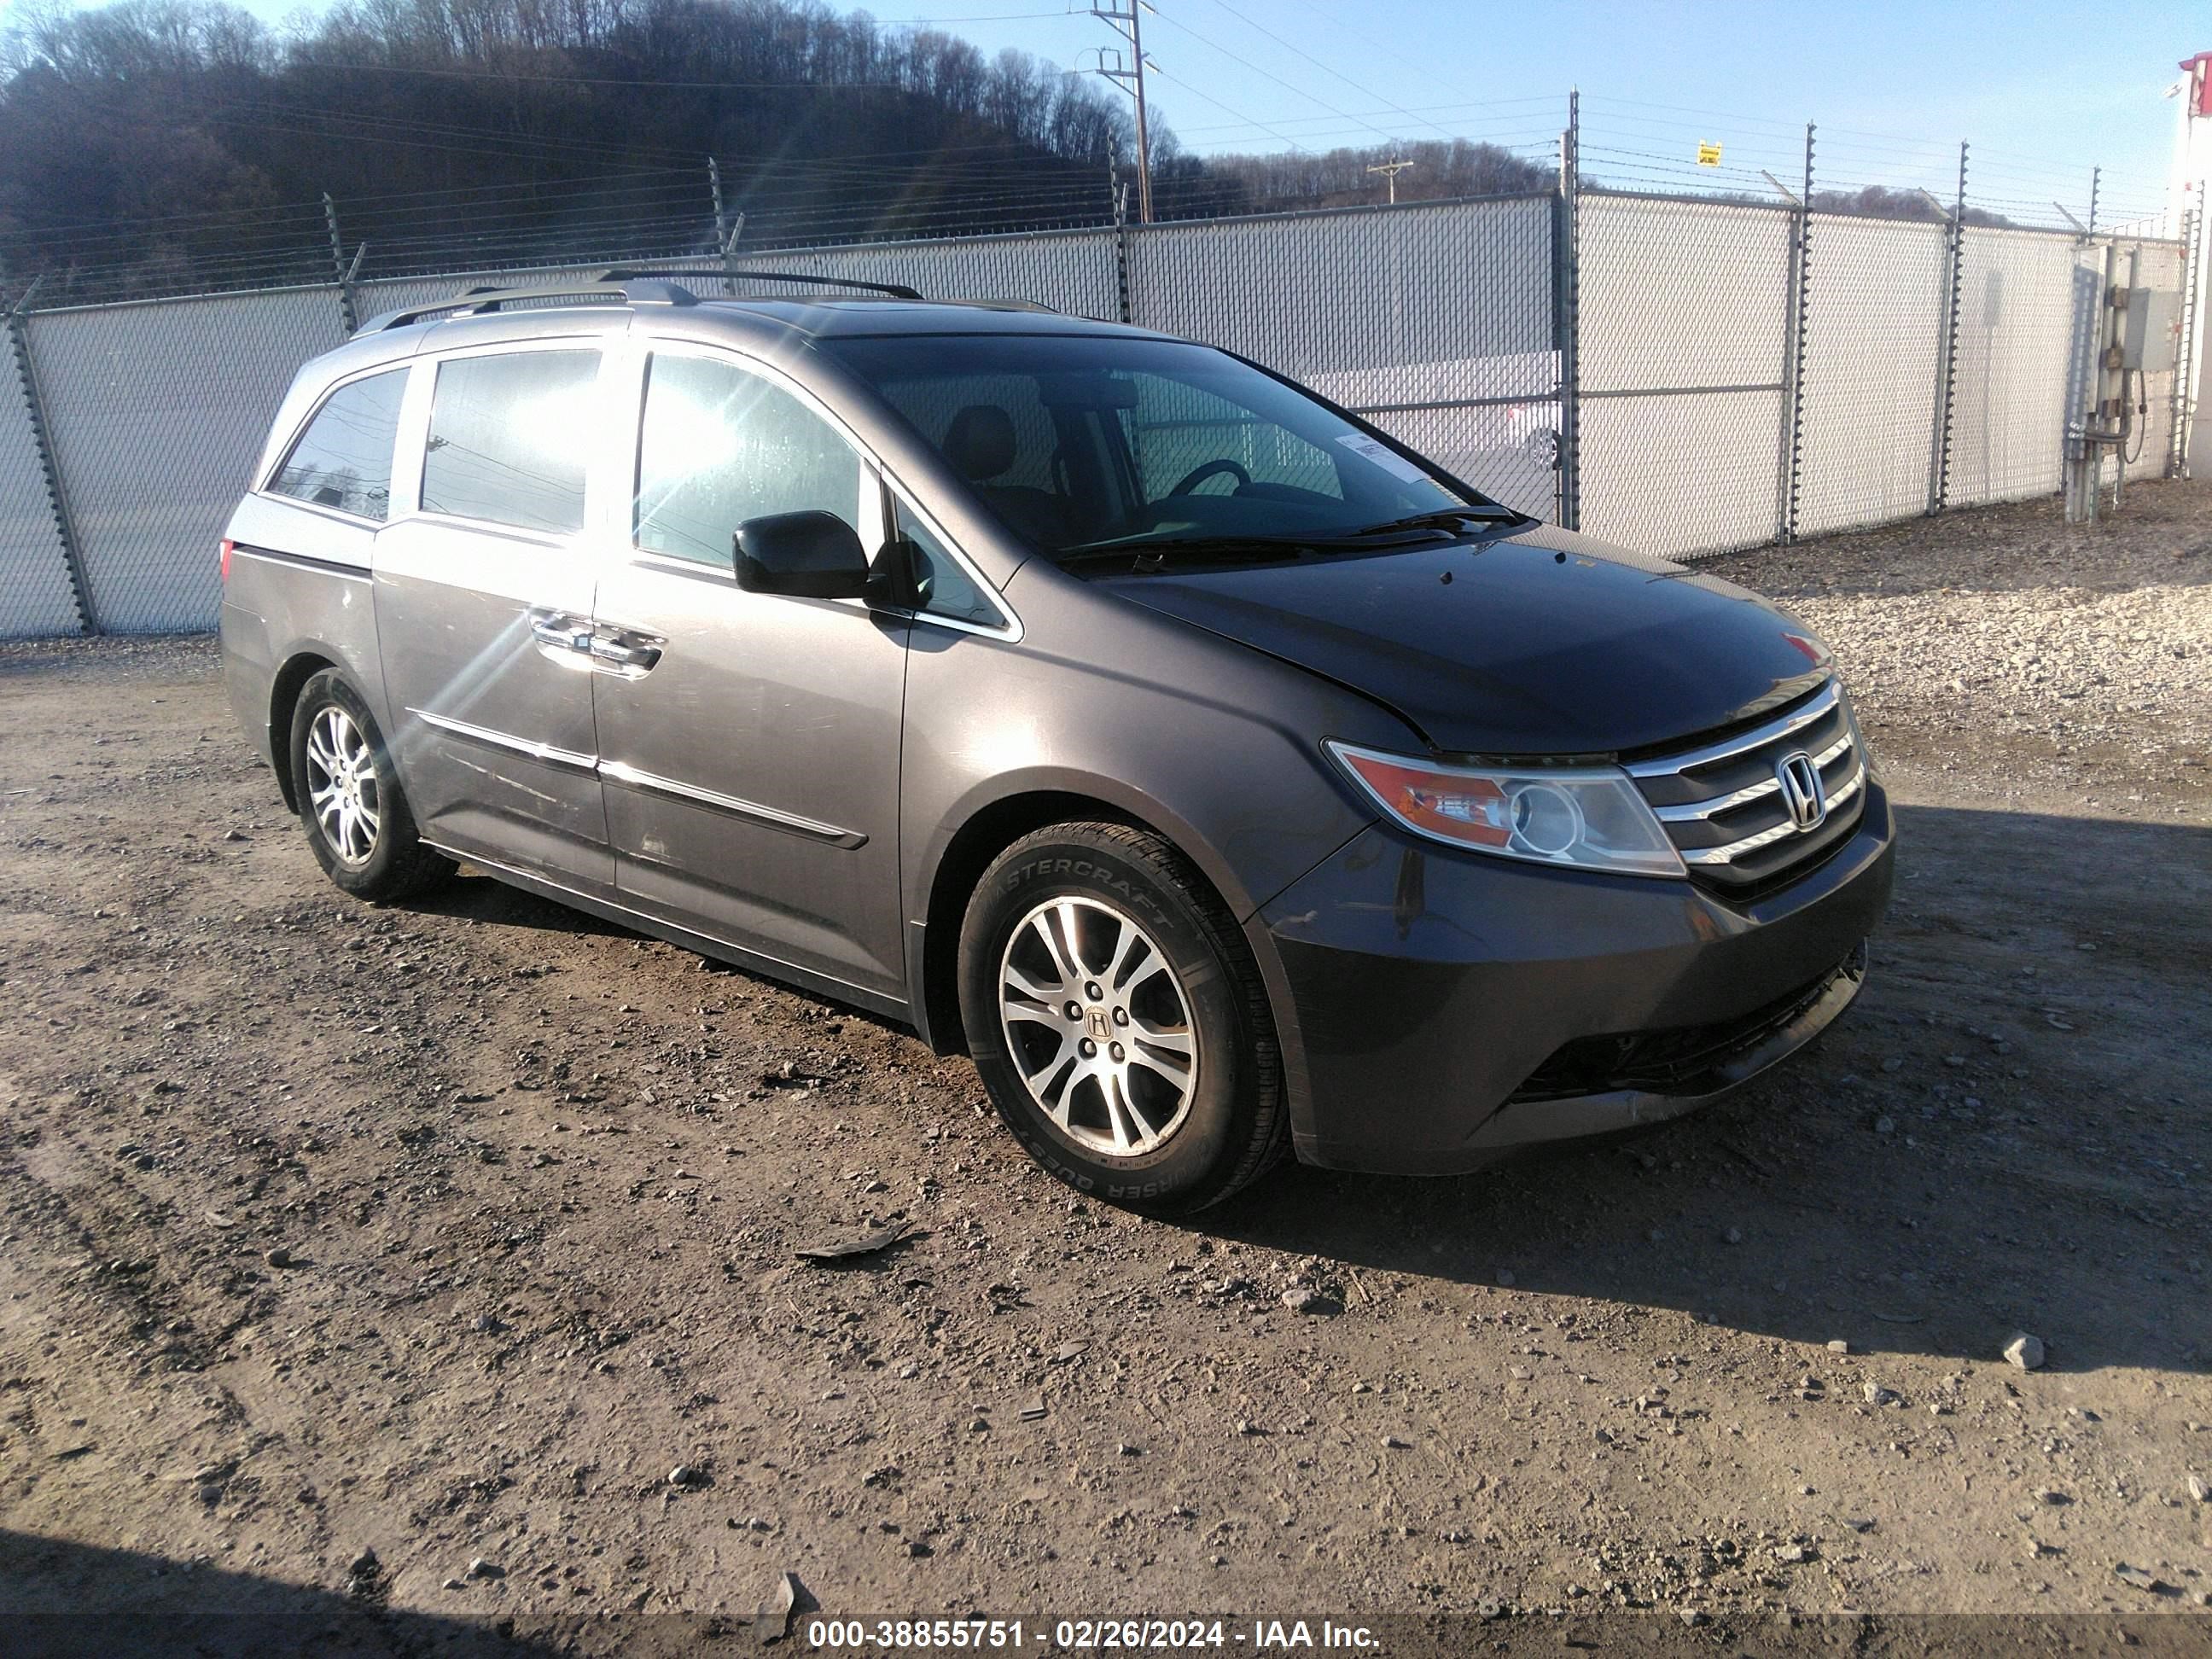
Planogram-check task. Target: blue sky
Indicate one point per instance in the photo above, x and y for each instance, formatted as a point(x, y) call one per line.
point(2043, 91)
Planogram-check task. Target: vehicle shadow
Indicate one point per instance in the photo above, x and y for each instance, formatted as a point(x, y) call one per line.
point(62, 1600)
point(68, 1600)
point(474, 897)
point(2008, 1133)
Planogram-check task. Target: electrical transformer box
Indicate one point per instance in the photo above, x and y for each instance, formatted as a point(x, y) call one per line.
point(2150, 330)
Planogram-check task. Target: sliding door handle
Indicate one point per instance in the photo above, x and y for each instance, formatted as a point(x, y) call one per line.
point(563, 633)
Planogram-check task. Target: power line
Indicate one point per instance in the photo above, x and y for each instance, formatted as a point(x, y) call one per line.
point(1368, 39)
point(1291, 46)
point(1207, 40)
point(643, 83)
point(1225, 110)
point(1496, 104)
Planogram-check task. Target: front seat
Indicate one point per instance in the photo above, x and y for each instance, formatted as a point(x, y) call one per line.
point(980, 445)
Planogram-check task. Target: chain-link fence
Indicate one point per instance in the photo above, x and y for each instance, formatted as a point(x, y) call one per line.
point(1684, 362)
point(1437, 321)
point(37, 597)
point(1725, 373)
point(2019, 311)
point(156, 412)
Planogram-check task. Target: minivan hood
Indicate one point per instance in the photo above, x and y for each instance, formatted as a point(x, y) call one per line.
point(1542, 642)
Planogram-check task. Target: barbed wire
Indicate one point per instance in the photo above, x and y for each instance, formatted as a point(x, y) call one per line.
point(661, 203)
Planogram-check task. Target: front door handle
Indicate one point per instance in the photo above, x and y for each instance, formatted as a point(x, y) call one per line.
point(624, 654)
point(628, 651)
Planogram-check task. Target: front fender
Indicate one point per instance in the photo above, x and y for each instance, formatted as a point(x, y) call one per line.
point(1145, 718)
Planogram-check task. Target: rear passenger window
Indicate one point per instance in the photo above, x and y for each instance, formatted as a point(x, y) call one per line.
point(721, 445)
point(344, 460)
point(508, 438)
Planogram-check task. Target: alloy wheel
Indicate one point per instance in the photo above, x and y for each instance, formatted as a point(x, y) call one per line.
point(1099, 1027)
point(342, 785)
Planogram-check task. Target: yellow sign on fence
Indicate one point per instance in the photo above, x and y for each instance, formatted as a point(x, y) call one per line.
point(1709, 156)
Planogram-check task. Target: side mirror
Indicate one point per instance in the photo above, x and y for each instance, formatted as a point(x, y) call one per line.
point(807, 556)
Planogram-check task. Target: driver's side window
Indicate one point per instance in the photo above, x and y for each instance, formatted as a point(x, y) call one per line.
point(1177, 430)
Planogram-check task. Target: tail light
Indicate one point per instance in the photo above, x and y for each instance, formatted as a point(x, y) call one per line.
point(227, 546)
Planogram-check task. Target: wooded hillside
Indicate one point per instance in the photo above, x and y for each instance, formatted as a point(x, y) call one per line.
point(164, 145)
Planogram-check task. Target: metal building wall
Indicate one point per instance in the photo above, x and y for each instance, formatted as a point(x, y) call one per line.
point(157, 411)
point(36, 599)
point(1433, 320)
point(1684, 348)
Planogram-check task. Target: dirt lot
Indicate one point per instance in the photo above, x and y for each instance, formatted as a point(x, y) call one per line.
point(465, 1232)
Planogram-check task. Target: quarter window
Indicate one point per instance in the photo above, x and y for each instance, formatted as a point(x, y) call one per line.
point(721, 445)
point(942, 587)
point(344, 460)
point(509, 434)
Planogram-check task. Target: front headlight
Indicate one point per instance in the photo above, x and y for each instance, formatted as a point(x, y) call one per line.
point(1590, 818)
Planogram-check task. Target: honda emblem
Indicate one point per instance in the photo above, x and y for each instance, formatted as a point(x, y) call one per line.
point(1803, 794)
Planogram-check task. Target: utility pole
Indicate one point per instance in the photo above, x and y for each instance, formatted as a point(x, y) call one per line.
point(1390, 170)
point(1130, 27)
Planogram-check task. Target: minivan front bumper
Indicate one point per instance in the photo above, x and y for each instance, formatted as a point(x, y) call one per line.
point(1445, 1007)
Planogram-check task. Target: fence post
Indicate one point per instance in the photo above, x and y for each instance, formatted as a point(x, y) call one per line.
point(50, 465)
point(2184, 360)
point(1117, 199)
point(1793, 453)
point(1939, 474)
point(1566, 289)
point(344, 272)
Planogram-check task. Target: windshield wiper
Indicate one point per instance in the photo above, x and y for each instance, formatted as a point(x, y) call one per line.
point(1200, 547)
point(1452, 521)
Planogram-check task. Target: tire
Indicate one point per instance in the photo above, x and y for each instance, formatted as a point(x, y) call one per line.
point(366, 842)
point(1118, 1122)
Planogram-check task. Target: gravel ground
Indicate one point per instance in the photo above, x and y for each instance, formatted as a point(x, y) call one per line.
point(341, 1249)
point(2082, 658)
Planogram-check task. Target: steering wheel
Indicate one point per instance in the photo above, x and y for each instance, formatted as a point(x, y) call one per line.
point(1199, 474)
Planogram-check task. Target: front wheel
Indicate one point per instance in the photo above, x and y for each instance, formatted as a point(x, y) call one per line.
point(355, 813)
point(1118, 1020)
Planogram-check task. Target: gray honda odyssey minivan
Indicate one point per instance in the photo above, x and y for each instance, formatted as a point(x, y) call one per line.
point(1222, 775)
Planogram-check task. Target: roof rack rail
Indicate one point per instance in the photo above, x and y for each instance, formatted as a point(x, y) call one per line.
point(896, 290)
point(647, 289)
point(1006, 305)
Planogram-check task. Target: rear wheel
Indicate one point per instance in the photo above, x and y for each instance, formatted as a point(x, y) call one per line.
point(355, 813)
point(1118, 1020)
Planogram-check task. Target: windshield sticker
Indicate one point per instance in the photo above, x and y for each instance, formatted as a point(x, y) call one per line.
point(1368, 449)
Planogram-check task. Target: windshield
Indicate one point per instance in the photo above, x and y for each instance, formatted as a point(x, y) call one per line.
point(1083, 445)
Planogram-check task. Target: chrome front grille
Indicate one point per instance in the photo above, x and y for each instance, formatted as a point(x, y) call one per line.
point(1731, 810)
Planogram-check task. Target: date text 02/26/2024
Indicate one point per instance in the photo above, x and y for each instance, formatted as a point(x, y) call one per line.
point(1084, 1635)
